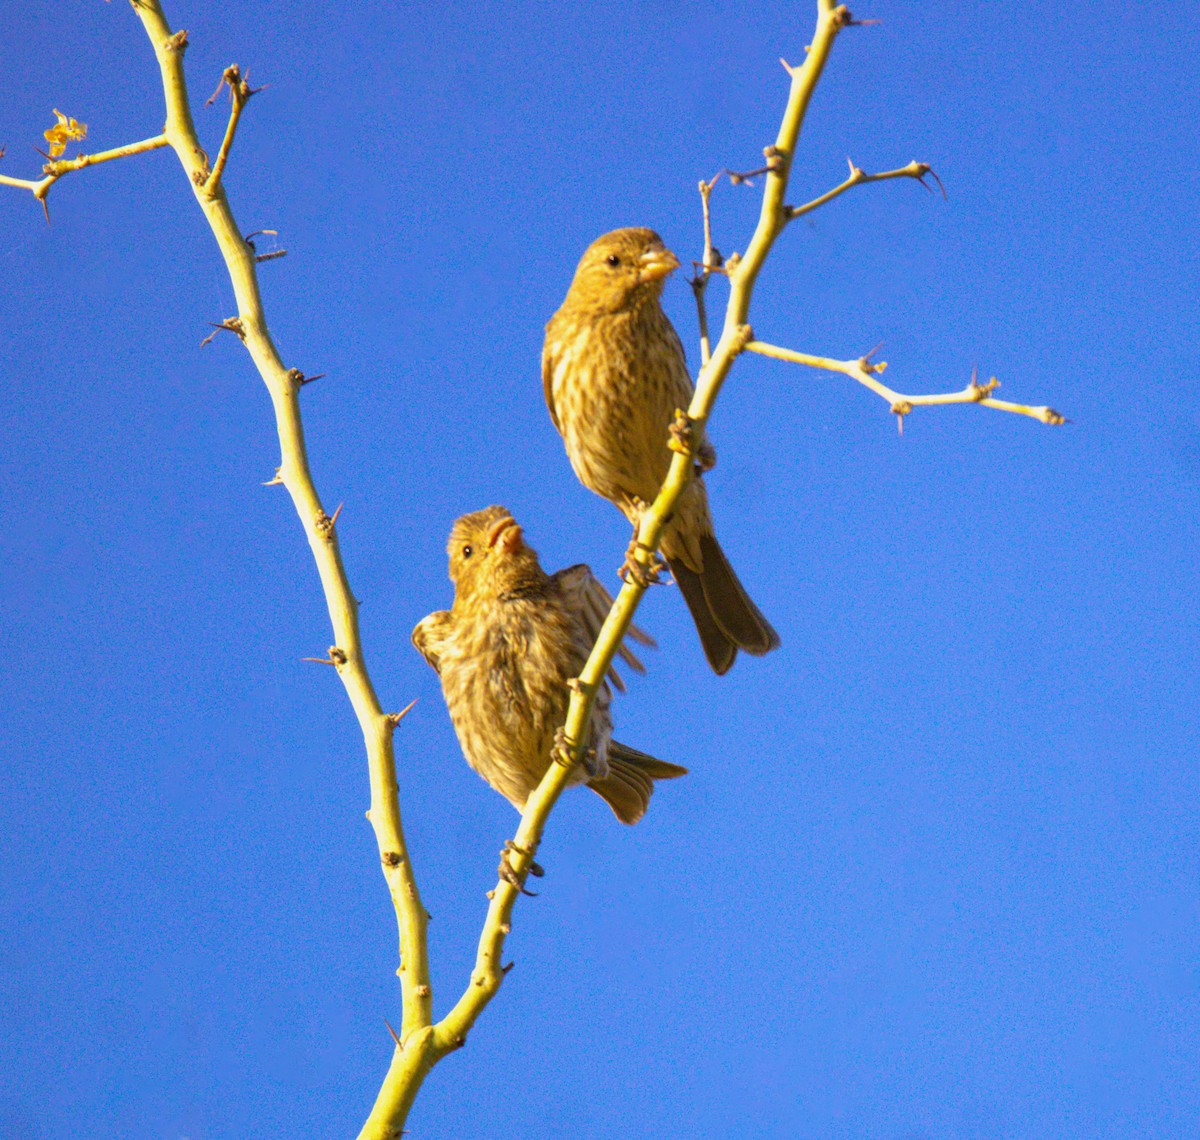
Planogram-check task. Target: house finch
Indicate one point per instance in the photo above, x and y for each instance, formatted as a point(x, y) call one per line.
point(505, 651)
point(614, 373)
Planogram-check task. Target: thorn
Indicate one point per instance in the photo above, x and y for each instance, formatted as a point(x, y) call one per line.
point(230, 324)
point(46, 210)
point(272, 256)
point(850, 22)
point(395, 718)
point(505, 969)
point(399, 1043)
point(213, 97)
point(336, 658)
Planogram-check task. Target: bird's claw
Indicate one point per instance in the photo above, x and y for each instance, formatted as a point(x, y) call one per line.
point(643, 573)
point(508, 873)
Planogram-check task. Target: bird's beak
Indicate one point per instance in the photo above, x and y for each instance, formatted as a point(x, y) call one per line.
point(506, 532)
point(657, 262)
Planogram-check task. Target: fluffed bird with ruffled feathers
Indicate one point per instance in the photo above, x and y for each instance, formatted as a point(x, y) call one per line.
point(506, 651)
point(614, 373)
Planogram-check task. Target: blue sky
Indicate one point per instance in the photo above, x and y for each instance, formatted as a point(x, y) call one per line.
point(934, 873)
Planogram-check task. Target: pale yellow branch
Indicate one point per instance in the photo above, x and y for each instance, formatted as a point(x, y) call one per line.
point(866, 373)
point(346, 655)
point(914, 170)
point(56, 168)
point(239, 94)
point(486, 978)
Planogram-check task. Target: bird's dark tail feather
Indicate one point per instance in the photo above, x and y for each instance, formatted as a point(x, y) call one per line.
point(726, 619)
point(630, 781)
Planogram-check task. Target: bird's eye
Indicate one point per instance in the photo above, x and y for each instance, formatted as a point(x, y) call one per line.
point(468, 551)
point(613, 260)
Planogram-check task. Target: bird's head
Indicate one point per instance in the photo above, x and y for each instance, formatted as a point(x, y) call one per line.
point(622, 269)
point(488, 555)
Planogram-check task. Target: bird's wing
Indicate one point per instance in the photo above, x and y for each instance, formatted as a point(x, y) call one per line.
point(548, 372)
point(590, 602)
point(429, 636)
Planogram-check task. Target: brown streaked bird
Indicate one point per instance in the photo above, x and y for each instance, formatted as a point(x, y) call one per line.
point(505, 652)
point(614, 373)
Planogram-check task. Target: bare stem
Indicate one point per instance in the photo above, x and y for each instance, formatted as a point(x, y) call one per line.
point(866, 373)
point(56, 168)
point(712, 260)
point(918, 171)
point(488, 974)
point(284, 385)
point(239, 94)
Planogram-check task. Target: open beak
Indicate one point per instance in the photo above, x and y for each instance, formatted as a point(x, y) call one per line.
point(506, 533)
point(657, 262)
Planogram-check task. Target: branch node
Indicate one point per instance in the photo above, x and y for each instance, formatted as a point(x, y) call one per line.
point(324, 523)
point(336, 658)
point(392, 858)
point(277, 481)
point(231, 324)
point(177, 43)
point(422, 991)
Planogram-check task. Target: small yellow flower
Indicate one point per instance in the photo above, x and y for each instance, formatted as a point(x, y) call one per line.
point(63, 132)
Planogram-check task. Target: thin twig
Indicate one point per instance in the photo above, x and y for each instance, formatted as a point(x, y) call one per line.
point(239, 96)
point(915, 170)
point(703, 269)
point(866, 372)
point(55, 168)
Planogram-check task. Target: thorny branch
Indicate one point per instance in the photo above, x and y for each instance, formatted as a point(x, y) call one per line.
point(284, 386)
point(742, 273)
point(866, 372)
point(56, 168)
point(918, 171)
